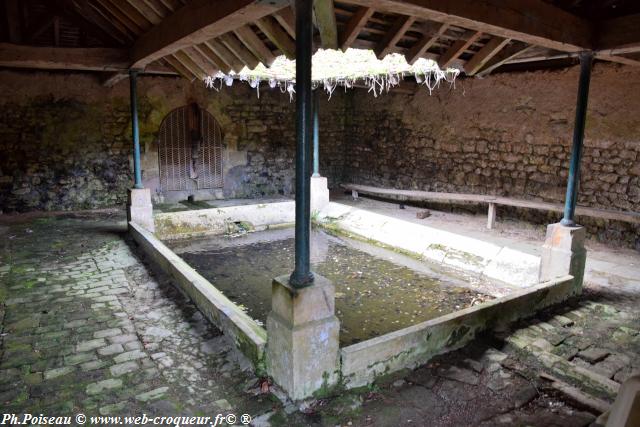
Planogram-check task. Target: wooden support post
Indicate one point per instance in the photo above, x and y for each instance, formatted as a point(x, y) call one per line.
point(491, 216)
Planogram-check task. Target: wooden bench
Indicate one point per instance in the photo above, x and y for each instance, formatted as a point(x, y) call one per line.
point(491, 201)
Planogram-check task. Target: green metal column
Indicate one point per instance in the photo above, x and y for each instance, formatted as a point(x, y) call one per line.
point(302, 275)
point(586, 62)
point(133, 74)
point(316, 134)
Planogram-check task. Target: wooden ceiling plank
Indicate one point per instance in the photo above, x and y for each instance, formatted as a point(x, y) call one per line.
point(287, 19)
point(213, 57)
point(457, 48)
point(190, 65)
point(510, 52)
point(255, 45)
point(47, 58)
point(393, 36)
point(181, 69)
point(272, 29)
point(355, 24)
point(14, 21)
point(493, 46)
point(195, 23)
point(531, 21)
point(146, 11)
point(430, 36)
point(239, 50)
point(223, 52)
point(326, 22)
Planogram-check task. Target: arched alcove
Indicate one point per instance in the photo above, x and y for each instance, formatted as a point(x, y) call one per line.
point(190, 150)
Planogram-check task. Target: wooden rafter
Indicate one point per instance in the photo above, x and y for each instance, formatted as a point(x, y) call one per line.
point(287, 19)
point(145, 10)
point(132, 13)
point(272, 29)
point(47, 58)
point(190, 64)
point(223, 52)
point(255, 45)
point(432, 33)
point(457, 48)
point(393, 36)
point(325, 18)
point(117, 15)
point(511, 52)
point(353, 27)
point(619, 36)
point(531, 21)
point(208, 53)
point(488, 51)
point(180, 68)
point(94, 17)
point(202, 62)
point(195, 23)
point(239, 49)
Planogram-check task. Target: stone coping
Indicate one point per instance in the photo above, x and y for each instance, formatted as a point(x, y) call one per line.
point(200, 222)
point(249, 337)
point(473, 256)
point(415, 345)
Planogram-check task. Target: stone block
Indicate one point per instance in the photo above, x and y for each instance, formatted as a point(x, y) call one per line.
point(139, 208)
point(302, 337)
point(564, 253)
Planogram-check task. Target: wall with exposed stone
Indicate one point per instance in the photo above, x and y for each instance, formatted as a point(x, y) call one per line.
point(65, 139)
point(510, 135)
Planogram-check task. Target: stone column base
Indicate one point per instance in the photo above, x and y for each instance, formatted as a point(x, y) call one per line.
point(139, 208)
point(319, 193)
point(302, 337)
point(564, 253)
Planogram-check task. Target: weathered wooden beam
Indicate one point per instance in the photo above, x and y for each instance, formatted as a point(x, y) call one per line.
point(197, 22)
point(177, 65)
point(47, 58)
point(207, 52)
point(513, 51)
point(432, 33)
point(223, 52)
point(287, 19)
point(201, 61)
point(531, 21)
point(145, 10)
point(117, 16)
point(255, 45)
point(618, 59)
point(239, 50)
point(272, 29)
point(14, 21)
point(488, 51)
point(94, 17)
point(619, 36)
point(133, 14)
point(355, 24)
point(393, 36)
point(190, 64)
point(325, 15)
point(457, 48)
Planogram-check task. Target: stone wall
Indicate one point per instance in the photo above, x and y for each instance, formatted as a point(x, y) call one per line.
point(66, 140)
point(508, 134)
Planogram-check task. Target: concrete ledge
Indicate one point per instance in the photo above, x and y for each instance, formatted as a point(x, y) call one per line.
point(415, 345)
point(171, 225)
point(453, 250)
point(247, 335)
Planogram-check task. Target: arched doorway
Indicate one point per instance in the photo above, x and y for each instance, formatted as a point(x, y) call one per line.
point(190, 150)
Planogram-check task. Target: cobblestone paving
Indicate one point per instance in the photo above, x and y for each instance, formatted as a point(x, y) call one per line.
point(87, 327)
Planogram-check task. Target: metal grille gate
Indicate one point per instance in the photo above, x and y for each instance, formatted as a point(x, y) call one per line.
point(177, 169)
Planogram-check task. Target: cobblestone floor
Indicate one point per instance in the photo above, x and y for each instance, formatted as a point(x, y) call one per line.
point(87, 327)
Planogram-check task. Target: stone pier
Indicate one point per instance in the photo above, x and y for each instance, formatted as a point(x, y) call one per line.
point(319, 193)
point(564, 253)
point(139, 207)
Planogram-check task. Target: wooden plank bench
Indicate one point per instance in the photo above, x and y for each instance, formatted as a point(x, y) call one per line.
point(491, 201)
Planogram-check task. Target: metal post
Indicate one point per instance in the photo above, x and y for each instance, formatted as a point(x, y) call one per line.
point(133, 74)
point(316, 134)
point(586, 61)
point(302, 275)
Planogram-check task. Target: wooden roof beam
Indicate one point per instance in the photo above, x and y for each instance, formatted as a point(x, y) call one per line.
point(619, 36)
point(488, 51)
point(208, 53)
point(287, 19)
point(457, 48)
point(432, 33)
point(355, 24)
point(531, 21)
point(325, 18)
point(511, 52)
point(255, 45)
point(190, 64)
point(197, 22)
point(47, 58)
point(239, 50)
point(272, 29)
point(180, 68)
point(393, 36)
point(227, 56)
